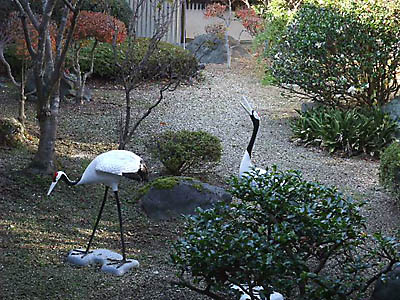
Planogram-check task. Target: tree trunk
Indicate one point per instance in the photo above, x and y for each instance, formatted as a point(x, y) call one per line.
point(21, 107)
point(43, 162)
point(228, 50)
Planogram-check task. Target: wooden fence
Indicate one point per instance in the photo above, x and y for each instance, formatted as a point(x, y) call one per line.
point(186, 20)
point(154, 13)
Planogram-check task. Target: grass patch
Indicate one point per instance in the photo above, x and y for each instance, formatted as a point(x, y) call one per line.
point(37, 232)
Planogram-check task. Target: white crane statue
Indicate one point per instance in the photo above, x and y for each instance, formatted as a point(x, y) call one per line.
point(246, 164)
point(107, 168)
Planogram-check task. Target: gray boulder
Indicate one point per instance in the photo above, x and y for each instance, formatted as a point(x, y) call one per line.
point(67, 87)
point(307, 106)
point(170, 197)
point(208, 48)
point(393, 109)
point(388, 286)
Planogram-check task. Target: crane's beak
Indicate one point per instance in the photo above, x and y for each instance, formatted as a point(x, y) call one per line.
point(246, 105)
point(53, 184)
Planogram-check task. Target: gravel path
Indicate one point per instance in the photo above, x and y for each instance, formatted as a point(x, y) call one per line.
point(213, 106)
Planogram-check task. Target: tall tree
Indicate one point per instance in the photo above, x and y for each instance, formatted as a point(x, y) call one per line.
point(133, 71)
point(47, 50)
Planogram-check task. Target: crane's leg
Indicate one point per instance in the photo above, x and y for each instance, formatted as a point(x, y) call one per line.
point(120, 226)
point(97, 221)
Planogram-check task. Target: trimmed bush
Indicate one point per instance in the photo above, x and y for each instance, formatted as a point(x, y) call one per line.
point(343, 53)
point(354, 131)
point(184, 150)
point(179, 59)
point(285, 234)
point(389, 169)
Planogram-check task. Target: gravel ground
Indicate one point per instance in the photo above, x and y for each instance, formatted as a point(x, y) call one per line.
point(213, 106)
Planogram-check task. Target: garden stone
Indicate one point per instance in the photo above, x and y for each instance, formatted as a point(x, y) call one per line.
point(393, 109)
point(209, 48)
point(306, 106)
point(12, 133)
point(388, 287)
point(170, 197)
point(67, 87)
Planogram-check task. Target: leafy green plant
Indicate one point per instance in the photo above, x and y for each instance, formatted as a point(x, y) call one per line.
point(300, 238)
point(276, 15)
point(354, 131)
point(341, 53)
point(104, 60)
point(389, 169)
point(119, 9)
point(183, 150)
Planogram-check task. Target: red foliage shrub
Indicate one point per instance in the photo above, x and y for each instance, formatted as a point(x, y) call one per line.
point(250, 20)
point(100, 26)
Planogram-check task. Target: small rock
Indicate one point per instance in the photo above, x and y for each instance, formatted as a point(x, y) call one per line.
point(12, 133)
point(170, 197)
point(388, 286)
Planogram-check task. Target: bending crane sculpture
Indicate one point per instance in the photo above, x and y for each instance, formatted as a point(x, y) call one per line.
point(246, 165)
point(108, 169)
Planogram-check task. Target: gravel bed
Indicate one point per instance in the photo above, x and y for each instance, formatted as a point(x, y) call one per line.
point(213, 106)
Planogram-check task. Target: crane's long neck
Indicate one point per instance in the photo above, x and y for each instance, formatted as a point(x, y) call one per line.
point(256, 124)
point(68, 181)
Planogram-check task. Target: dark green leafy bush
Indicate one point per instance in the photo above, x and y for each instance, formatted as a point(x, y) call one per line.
point(276, 15)
point(343, 53)
point(183, 150)
point(354, 131)
point(179, 59)
point(389, 169)
point(119, 9)
point(300, 238)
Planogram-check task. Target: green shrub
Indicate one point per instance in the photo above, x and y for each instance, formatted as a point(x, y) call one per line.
point(341, 53)
point(119, 9)
point(277, 15)
point(354, 131)
point(389, 169)
point(179, 59)
point(285, 234)
point(183, 150)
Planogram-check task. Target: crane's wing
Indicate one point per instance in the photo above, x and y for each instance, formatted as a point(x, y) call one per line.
point(117, 162)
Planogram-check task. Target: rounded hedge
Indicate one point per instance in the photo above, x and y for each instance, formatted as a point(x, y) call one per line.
point(184, 150)
point(179, 59)
point(285, 234)
point(342, 53)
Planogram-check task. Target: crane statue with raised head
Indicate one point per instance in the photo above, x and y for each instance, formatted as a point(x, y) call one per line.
point(246, 164)
point(108, 168)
